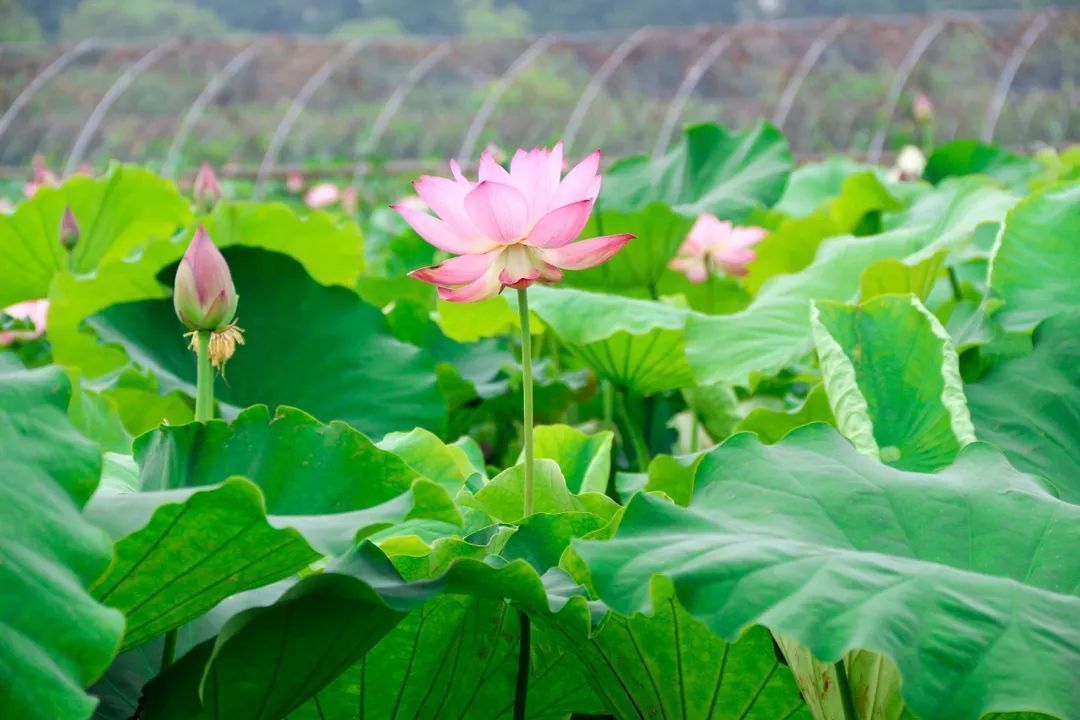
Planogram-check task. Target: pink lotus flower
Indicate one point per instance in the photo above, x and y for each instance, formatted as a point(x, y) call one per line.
point(714, 243)
point(32, 310)
point(322, 195)
point(43, 177)
point(294, 182)
point(510, 229)
point(203, 294)
point(206, 189)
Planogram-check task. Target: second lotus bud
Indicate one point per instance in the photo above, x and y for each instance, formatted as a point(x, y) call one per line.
point(204, 295)
point(69, 229)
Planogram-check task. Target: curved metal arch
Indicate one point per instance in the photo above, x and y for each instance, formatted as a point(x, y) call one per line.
point(393, 103)
point(111, 95)
point(472, 135)
point(1008, 74)
point(806, 64)
point(44, 76)
point(598, 80)
point(288, 120)
point(216, 84)
point(693, 76)
point(903, 72)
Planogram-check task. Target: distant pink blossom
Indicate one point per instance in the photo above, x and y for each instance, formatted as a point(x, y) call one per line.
point(43, 177)
point(32, 310)
point(512, 228)
point(206, 189)
point(716, 244)
point(322, 195)
point(294, 182)
point(349, 201)
point(922, 108)
point(84, 169)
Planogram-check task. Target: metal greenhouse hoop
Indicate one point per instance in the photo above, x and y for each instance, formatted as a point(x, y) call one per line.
point(288, 120)
point(111, 96)
point(1008, 74)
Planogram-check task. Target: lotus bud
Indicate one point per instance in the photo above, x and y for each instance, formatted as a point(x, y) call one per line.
point(349, 202)
point(923, 109)
point(204, 295)
point(294, 182)
point(69, 229)
point(206, 189)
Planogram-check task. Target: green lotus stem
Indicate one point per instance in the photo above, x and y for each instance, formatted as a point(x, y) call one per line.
point(527, 397)
point(204, 412)
point(521, 689)
point(607, 401)
point(844, 687)
point(204, 380)
point(632, 433)
point(954, 281)
point(168, 652)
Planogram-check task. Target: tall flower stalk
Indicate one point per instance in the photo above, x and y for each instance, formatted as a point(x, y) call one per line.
point(510, 229)
point(527, 399)
point(205, 300)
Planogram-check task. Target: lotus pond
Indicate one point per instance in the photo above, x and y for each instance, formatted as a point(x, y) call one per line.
point(773, 441)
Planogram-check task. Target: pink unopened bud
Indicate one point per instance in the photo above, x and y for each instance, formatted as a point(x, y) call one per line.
point(322, 195)
point(69, 229)
point(349, 201)
point(204, 295)
point(922, 108)
point(206, 189)
point(294, 182)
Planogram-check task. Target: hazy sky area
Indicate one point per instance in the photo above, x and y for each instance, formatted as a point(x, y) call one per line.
point(28, 20)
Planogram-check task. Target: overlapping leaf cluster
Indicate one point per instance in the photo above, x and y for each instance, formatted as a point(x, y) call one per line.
point(844, 486)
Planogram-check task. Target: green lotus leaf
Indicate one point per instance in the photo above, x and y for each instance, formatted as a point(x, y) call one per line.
point(896, 277)
point(774, 330)
point(792, 246)
point(814, 183)
point(55, 639)
point(117, 214)
point(637, 344)
point(893, 381)
point(503, 498)
point(1035, 266)
point(196, 549)
point(848, 553)
point(448, 465)
point(712, 170)
point(585, 460)
point(971, 157)
point(772, 425)
point(1030, 406)
point(637, 268)
point(353, 369)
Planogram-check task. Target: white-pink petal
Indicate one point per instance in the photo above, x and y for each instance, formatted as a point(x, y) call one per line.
point(447, 199)
point(520, 266)
point(484, 287)
point(440, 234)
point(581, 183)
point(492, 170)
point(586, 253)
point(500, 212)
point(459, 270)
point(322, 195)
point(560, 226)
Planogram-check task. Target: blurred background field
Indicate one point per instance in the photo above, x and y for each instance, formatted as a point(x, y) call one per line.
point(341, 88)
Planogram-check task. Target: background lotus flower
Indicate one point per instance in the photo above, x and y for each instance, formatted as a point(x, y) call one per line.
point(322, 195)
point(512, 228)
point(204, 295)
point(294, 182)
point(922, 108)
point(713, 243)
point(349, 202)
point(33, 310)
point(910, 164)
point(69, 229)
point(43, 177)
point(206, 190)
